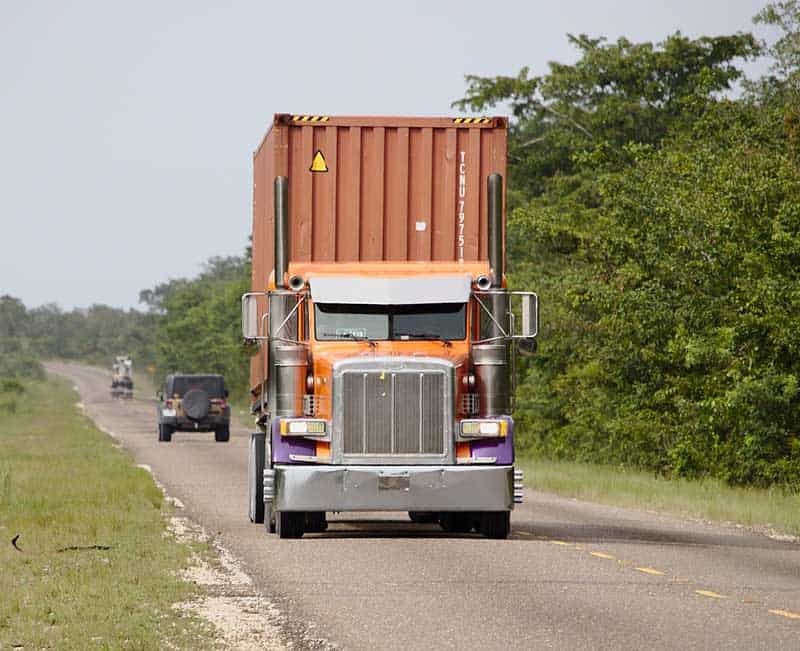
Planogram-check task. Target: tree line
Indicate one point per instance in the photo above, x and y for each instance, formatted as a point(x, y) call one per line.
point(188, 326)
point(658, 216)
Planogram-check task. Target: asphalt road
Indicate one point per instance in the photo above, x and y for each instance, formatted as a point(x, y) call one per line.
point(573, 575)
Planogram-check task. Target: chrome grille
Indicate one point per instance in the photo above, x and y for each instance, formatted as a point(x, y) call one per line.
point(393, 412)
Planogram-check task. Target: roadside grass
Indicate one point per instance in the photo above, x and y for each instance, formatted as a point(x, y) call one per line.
point(69, 492)
point(708, 499)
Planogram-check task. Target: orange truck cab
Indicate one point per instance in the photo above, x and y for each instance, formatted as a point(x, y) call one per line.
point(386, 334)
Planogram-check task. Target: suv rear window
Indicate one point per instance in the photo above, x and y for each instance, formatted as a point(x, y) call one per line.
point(213, 386)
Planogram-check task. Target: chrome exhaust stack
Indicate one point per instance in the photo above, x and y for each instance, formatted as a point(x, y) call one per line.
point(490, 359)
point(281, 202)
point(497, 296)
point(495, 198)
point(288, 358)
point(290, 366)
point(492, 379)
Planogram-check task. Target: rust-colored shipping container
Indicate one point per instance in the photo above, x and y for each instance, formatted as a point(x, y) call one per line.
point(365, 189)
point(372, 189)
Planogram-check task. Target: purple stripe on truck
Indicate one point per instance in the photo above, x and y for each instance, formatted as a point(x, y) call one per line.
point(283, 446)
point(502, 449)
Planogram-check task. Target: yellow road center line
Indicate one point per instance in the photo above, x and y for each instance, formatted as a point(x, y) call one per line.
point(602, 555)
point(650, 570)
point(559, 542)
point(712, 595)
point(786, 613)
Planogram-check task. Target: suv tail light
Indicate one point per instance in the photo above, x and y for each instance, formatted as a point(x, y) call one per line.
point(219, 401)
point(169, 404)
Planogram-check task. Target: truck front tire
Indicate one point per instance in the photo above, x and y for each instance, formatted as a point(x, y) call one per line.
point(290, 524)
point(495, 524)
point(456, 521)
point(316, 522)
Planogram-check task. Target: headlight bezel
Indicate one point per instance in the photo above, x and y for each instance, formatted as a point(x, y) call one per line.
point(314, 428)
point(483, 428)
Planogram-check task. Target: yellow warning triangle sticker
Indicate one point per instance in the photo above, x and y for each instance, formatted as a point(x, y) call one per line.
point(319, 164)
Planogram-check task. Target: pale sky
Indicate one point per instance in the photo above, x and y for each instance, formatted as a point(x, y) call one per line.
point(127, 129)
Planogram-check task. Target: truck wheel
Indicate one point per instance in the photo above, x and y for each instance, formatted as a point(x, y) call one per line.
point(223, 434)
point(495, 524)
point(456, 522)
point(255, 477)
point(164, 433)
point(423, 517)
point(316, 522)
point(290, 524)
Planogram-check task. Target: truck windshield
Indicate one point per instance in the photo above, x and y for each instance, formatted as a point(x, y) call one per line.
point(390, 322)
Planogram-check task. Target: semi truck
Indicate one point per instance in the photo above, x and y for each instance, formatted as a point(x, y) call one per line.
point(386, 334)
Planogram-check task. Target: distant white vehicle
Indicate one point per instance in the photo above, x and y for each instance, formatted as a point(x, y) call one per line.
point(122, 378)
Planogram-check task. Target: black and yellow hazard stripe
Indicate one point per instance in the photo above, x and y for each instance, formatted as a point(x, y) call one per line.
point(472, 120)
point(310, 118)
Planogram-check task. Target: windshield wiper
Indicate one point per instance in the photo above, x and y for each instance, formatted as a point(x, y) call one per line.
point(346, 335)
point(421, 335)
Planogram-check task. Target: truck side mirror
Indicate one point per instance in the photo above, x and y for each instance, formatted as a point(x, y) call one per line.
point(530, 315)
point(250, 317)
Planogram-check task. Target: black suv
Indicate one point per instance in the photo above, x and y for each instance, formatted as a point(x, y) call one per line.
point(194, 403)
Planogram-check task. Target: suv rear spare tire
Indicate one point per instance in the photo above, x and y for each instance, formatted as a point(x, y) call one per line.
point(196, 404)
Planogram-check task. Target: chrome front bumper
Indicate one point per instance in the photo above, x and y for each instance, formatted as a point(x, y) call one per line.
point(392, 488)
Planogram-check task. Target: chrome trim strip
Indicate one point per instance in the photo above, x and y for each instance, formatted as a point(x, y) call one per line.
point(518, 486)
point(269, 485)
point(308, 458)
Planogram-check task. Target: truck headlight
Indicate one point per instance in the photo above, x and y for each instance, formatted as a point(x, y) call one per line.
point(303, 427)
point(484, 428)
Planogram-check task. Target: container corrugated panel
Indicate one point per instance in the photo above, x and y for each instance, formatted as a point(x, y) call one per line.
point(365, 189)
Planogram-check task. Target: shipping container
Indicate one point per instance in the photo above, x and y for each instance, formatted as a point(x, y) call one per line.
point(382, 188)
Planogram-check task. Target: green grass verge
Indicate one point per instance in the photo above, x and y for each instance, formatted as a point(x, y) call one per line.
point(708, 499)
point(64, 484)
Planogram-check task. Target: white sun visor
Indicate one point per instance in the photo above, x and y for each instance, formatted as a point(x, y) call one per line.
point(377, 290)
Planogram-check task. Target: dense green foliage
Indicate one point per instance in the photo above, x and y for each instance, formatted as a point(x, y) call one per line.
point(95, 335)
point(190, 326)
point(18, 357)
point(198, 323)
point(660, 222)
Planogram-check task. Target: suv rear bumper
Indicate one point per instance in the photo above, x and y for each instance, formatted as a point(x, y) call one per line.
point(206, 425)
point(392, 488)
